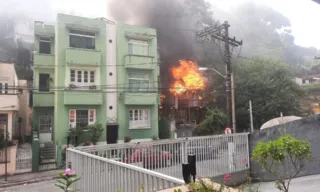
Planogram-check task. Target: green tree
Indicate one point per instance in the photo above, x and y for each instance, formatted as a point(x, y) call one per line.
point(3, 139)
point(214, 123)
point(287, 155)
point(269, 85)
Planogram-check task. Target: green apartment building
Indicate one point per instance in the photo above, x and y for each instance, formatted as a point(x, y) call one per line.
point(89, 71)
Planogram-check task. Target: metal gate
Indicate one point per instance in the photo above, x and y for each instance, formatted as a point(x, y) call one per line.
point(24, 158)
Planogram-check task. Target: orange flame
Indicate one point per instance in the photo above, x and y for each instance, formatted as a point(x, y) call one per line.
point(187, 78)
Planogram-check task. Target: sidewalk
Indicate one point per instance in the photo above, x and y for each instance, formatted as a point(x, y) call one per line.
point(27, 178)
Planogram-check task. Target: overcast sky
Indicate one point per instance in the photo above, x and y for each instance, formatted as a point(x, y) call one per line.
point(303, 14)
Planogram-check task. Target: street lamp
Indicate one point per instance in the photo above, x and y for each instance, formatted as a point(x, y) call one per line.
point(228, 96)
point(211, 69)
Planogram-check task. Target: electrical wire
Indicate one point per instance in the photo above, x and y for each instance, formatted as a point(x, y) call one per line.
point(131, 64)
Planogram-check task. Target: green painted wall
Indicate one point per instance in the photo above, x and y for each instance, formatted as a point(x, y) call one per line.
point(40, 111)
point(62, 44)
point(66, 58)
point(122, 78)
point(42, 99)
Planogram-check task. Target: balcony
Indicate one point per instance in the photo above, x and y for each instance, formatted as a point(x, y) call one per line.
point(9, 102)
point(43, 99)
point(140, 98)
point(83, 97)
point(140, 62)
point(44, 60)
point(43, 29)
point(84, 57)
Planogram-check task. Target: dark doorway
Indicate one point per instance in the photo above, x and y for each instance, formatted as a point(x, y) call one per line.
point(112, 133)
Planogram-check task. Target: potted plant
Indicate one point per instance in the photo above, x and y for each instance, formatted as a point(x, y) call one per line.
point(92, 87)
point(87, 143)
point(96, 131)
point(127, 139)
point(72, 86)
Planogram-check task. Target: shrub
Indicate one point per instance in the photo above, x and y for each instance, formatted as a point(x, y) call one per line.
point(287, 153)
point(66, 179)
point(96, 131)
point(3, 138)
point(213, 124)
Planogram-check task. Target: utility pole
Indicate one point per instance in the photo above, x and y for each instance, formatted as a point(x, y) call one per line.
point(251, 118)
point(221, 33)
point(233, 105)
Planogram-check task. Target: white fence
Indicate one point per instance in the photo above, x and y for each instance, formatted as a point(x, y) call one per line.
point(99, 174)
point(215, 155)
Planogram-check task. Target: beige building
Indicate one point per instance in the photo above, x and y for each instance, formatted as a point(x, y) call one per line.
point(14, 103)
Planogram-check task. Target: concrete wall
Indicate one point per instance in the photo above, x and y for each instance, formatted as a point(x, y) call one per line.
point(11, 166)
point(305, 129)
point(24, 109)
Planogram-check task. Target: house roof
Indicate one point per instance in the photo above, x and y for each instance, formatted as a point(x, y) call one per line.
point(310, 76)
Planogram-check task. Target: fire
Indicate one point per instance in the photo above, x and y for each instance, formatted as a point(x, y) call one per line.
point(187, 78)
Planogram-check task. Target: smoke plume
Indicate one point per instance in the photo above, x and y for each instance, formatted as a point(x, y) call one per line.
point(176, 25)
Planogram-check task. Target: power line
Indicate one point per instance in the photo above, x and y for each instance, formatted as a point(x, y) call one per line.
point(221, 33)
point(108, 86)
point(131, 64)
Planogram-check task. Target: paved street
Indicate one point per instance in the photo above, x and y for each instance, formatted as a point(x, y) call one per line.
point(47, 186)
point(309, 183)
point(301, 184)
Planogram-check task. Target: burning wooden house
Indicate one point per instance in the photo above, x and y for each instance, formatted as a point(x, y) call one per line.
point(184, 102)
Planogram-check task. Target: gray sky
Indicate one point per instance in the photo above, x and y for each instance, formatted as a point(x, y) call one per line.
point(303, 14)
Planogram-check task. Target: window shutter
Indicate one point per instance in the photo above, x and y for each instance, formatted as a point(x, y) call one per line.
point(72, 118)
point(92, 116)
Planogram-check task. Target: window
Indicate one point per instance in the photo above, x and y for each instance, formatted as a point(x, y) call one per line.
point(81, 118)
point(136, 47)
point(44, 82)
point(45, 124)
point(45, 45)
point(138, 82)
point(82, 39)
point(82, 78)
point(139, 118)
point(4, 88)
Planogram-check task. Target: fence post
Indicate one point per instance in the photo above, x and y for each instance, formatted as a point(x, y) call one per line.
point(35, 154)
point(184, 151)
point(230, 154)
point(192, 166)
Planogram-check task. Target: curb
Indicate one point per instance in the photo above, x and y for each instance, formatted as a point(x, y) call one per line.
point(6, 185)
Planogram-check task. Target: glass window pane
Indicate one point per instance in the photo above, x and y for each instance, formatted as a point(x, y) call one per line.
point(130, 48)
point(130, 115)
point(72, 76)
point(135, 114)
point(92, 77)
point(44, 47)
point(6, 88)
point(85, 76)
point(82, 118)
point(79, 76)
